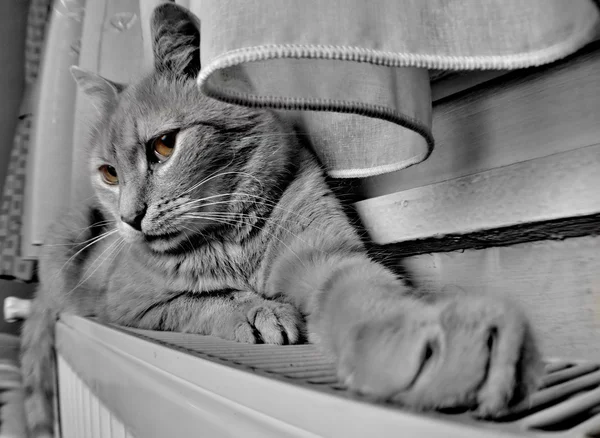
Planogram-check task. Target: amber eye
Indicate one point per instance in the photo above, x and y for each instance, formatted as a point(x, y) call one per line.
point(163, 146)
point(109, 174)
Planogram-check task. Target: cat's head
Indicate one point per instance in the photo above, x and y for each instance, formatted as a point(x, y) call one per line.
point(168, 163)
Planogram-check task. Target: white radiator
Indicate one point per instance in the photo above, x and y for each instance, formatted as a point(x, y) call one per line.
point(119, 383)
point(82, 413)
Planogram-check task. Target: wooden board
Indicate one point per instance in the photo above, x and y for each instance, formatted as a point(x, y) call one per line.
point(520, 116)
point(564, 185)
point(558, 283)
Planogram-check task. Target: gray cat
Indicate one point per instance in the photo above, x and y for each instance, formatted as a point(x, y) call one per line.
point(211, 218)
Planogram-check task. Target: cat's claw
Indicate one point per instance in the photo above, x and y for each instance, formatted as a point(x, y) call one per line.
point(470, 352)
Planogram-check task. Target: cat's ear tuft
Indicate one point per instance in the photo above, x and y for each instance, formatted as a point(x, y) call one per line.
point(101, 91)
point(175, 40)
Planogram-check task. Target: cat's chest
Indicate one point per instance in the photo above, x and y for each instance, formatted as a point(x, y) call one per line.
point(211, 267)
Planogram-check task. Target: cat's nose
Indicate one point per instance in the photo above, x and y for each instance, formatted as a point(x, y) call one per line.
point(134, 219)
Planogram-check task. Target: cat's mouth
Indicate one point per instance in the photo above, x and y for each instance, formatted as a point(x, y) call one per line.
point(164, 242)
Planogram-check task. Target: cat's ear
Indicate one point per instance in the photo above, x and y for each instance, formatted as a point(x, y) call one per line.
point(175, 40)
point(101, 91)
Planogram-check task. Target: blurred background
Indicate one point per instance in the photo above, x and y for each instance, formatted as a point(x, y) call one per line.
point(13, 23)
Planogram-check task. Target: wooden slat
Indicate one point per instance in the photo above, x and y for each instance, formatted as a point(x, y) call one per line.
point(557, 283)
point(564, 185)
point(521, 116)
point(517, 160)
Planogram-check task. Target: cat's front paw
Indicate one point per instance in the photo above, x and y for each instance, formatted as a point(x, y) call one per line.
point(471, 352)
point(277, 323)
point(269, 322)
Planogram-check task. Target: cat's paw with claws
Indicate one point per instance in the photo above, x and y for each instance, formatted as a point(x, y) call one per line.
point(270, 322)
point(469, 352)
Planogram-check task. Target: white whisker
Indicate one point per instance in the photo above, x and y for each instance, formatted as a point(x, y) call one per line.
point(188, 238)
point(112, 247)
point(232, 216)
point(231, 201)
point(76, 243)
point(230, 222)
point(94, 241)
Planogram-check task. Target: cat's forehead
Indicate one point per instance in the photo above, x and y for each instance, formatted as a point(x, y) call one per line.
point(145, 110)
point(161, 100)
point(159, 104)
point(154, 106)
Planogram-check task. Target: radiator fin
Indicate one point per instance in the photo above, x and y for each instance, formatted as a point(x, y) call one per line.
point(82, 413)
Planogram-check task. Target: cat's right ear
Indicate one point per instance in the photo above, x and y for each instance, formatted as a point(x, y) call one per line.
point(175, 35)
point(102, 92)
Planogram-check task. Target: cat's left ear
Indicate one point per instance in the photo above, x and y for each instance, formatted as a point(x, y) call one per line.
point(101, 91)
point(175, 40)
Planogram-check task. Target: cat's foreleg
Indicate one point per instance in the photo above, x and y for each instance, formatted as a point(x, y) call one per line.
point(234, 315)
point(388, 343)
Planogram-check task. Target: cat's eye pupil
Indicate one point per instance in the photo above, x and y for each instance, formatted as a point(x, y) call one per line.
point(168, 140)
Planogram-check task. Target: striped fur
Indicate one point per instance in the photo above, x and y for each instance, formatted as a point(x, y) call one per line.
point(242, 238)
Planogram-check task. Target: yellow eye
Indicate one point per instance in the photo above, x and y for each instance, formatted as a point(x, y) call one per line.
point(163, 146)
point(109, 174)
